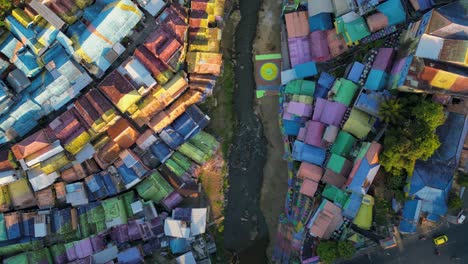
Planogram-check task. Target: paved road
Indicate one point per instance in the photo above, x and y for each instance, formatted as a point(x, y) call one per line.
point(416, 251)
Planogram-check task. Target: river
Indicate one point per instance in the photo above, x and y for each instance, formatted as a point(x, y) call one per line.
point(245, 230)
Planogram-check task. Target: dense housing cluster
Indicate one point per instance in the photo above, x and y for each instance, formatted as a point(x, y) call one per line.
point(331, 122)
point(101, 136)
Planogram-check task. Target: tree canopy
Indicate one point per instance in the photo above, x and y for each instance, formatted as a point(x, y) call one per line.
point(5, 6)
point(410, 133)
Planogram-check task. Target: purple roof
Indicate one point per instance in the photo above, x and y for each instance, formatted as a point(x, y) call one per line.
point(314, 133)
point(299, 50)
point(98, 243)
point(83, 248)
point(134, 230)
point(319, 46)
point(327, 112)
point(384, 59)
point(172, 200)
point(183, 214)
point(398, 65)
point(300, 109)
point(119, 233)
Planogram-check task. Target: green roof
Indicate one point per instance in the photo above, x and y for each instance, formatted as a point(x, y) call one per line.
point(335, 194)
point(354, 30)
point(343, 144)
point(154, 188)
point(336, 163)
point(359, 123)
point(300, 87)
point(114, 208)
point(344, 91)
point(3, 231)
point(363, 150)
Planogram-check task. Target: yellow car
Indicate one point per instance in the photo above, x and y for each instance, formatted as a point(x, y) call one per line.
point(440, 240)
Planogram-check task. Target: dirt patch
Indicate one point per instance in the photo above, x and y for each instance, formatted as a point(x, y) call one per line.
point(275, 174)
point(212, 180)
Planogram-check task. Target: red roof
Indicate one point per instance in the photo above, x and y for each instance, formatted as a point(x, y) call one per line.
point(87, 111)
point(115, 86)
point(153, 64)
point(309, 187)
point(333, 178)
point(33, 143)
point(5, 163)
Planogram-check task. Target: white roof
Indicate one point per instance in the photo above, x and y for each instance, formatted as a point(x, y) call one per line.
point(137, 207)
point(7, 176)
point(429, 47)
point(316, 7)
point(39, 180)
point(139, 73)
point(186, 258)
point(176, 228)
point(153, 6)
point(198, 225)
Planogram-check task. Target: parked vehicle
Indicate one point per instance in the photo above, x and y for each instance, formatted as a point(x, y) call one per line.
point(440, 240)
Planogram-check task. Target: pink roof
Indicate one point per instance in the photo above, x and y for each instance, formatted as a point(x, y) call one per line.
point(383, 60)
point(299, 50)
point(333, 114)
point(297, 24)
point(377, 22)
point(309, 187)
point(333, 178)
point(314, 133)
point(309, 171)
point(300, 109)
point(319, 46)
point(288, 116)
point(327, 221)
point(336, 43)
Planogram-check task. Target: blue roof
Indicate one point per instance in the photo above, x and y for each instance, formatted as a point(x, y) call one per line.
point(376, 80)
point(369, 101)
point(451, 136)
point(130, 255)
point(179, 245)
point(322, 21)
point(410, 216)
point(432, 179)
point(355, 72)
point(352, 206)
point(363, 177)
point(424, 4)
point(307, 69)
point(171, 137)
point(291, 128)
point(394, 11)
point(308, 153)
point(326, 80)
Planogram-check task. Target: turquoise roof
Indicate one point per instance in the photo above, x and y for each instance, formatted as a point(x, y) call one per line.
point(376, 80)
point(393, 10)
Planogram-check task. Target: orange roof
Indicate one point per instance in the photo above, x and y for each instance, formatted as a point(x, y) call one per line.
point(33, 143)
point(123, 133)
point(74, 173)
point(372, 154)
point(5, 163)
point(297, 24)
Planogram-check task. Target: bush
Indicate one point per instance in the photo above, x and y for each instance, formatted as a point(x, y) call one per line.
point(329, 250)
point(462, 178)
point(395, 180)
point(454, 202)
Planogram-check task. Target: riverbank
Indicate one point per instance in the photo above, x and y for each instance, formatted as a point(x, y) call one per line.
point(245, 229)
point(275, 179)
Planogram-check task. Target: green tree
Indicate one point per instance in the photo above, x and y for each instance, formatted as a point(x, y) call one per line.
point(395, 179)
point(5, 6)
point(462, 178)
point(454, 202)
point(413, 137)
point(328, 251)
point(346, 249)
point(390, 111)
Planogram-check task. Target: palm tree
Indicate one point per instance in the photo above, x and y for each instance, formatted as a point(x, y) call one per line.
point(390, 111)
